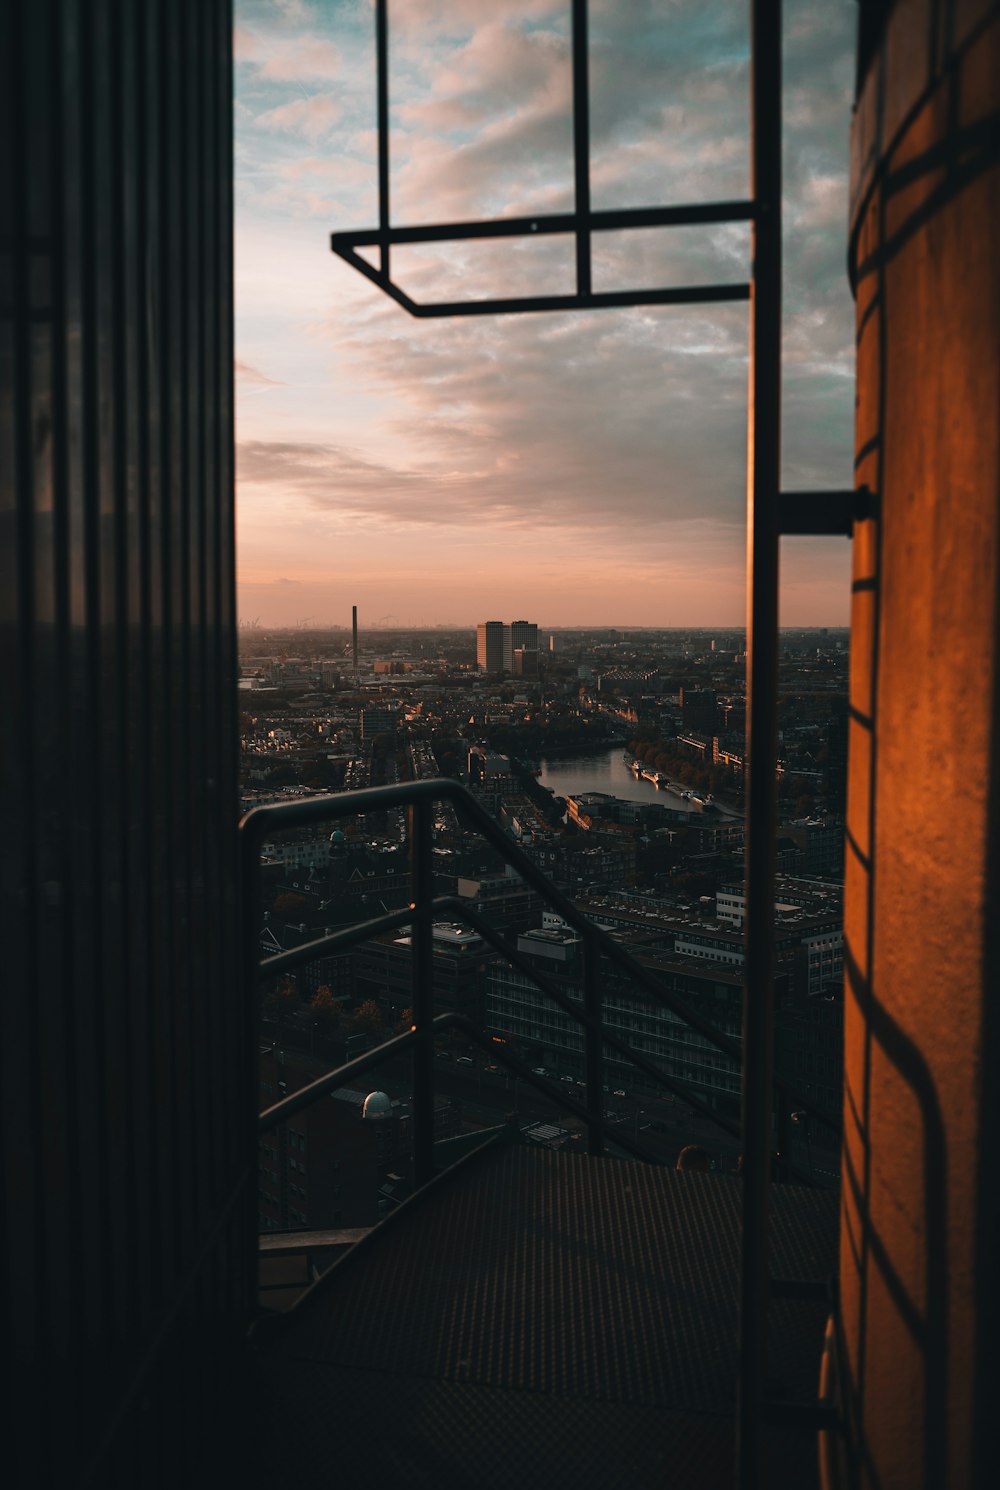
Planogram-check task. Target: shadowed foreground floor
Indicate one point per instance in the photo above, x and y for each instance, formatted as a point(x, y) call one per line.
point(542, 1319)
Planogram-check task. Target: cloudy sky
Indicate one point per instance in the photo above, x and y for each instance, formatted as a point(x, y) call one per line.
point(581, 468)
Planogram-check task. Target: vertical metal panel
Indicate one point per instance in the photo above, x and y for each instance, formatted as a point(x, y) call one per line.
point(128, 1159)
point(593, 1046)
point(382, 112)
point(763, 483)
point(422, 873)
point(581, 146)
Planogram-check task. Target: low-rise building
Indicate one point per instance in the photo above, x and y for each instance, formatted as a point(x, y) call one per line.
point(383, 970)
point(516, 1008)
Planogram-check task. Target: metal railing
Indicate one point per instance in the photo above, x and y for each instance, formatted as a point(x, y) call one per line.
point(419, 799)
point(424, 908)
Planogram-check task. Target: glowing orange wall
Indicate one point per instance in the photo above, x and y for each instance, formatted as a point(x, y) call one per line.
point(923, 750)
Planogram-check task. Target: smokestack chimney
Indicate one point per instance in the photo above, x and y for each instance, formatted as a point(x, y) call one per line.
point(354, 619)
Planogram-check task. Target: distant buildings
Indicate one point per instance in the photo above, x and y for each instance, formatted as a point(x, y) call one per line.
point(700, 711)
point(520, 636)
point(384, 970)
point(484, 764)
point(630, 680)
point(381, 719)
point(344, 1161)
point(509, 648)
point(517, 1010)
point(700, 962)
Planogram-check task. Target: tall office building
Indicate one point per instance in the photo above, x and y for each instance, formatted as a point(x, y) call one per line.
point(518, 635)
point(491, 638)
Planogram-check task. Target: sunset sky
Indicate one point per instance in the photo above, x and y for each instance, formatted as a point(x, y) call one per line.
point(578, 469)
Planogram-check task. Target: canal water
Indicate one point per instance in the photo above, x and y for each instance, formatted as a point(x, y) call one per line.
point(608, 773)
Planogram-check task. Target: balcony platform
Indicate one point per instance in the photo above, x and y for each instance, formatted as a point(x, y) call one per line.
point(544, 1319)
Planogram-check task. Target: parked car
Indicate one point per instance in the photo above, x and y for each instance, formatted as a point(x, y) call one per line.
point(465, 1060)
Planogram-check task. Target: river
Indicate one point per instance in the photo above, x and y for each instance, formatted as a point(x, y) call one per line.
point(607, 772)
point(570, 774)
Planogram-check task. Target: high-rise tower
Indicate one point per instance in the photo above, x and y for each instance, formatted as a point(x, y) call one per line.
point(491, 638)
point(518, 635)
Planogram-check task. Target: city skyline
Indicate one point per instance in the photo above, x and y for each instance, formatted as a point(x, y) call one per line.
point(587, 466)
point(392, 625)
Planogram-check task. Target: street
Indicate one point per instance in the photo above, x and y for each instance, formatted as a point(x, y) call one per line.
point(661, 1125)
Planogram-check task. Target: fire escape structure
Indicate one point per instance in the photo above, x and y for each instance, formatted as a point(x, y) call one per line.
point(525, 1317)
point(771, 514)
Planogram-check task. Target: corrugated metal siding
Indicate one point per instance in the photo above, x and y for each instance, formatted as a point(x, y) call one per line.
point(125, 1088)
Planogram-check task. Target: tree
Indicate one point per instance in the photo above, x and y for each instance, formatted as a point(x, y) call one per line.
point(288, 990)
point(282, 1000)
point(405, 1021)
point(287, 903)
point(368, 1020)
point(324, 1008)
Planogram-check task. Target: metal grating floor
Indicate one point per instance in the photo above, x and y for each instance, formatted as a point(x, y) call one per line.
point(546, 1319)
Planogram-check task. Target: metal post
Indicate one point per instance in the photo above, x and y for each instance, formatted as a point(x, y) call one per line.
point(763, 466)
point(782, 1136)
point(581, 146)
point(382, 67)
point(422, 882)
point(592, 1048)
point(250, 919)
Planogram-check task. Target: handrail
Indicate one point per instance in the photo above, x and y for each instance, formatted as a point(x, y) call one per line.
point(585, 1016)
point(262, 821)
point(331, 1081)
point(341, 941)
point(420, 915)
point(453, 906)
point(417, 797)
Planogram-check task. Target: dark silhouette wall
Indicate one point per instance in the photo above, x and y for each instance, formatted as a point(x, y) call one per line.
point(126, 1084)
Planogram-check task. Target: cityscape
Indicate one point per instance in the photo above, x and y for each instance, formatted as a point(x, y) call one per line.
point(614, 759)
point(501, 746)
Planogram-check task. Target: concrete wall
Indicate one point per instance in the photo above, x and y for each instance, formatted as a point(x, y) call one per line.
point(127, 1153)
point(918, 1294)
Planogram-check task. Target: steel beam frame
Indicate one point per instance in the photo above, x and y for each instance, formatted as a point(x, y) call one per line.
point(770, 514)
point(763, 530)
point(582, 223)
